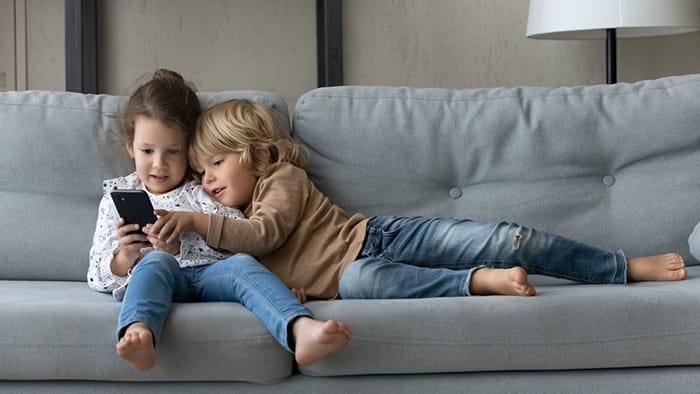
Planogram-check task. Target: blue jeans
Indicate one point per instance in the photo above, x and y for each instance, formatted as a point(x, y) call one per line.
point(431, 257)
point(157, 281)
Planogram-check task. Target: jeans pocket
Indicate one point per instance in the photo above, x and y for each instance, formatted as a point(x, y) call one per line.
point(378, 239)
point(388, 248)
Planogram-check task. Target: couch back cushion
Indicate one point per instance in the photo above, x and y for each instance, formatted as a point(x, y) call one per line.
point(56, 149)
point(613, 165)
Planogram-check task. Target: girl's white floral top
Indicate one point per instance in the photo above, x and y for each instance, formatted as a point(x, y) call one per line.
point(193, 249)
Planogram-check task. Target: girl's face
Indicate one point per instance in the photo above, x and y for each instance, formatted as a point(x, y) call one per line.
point(227, 180)
point(160, 154)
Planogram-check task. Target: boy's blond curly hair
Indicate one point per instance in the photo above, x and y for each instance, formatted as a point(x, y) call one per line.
point(244, 126)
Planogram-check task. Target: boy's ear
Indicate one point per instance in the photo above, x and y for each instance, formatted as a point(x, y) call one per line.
point(263, 153)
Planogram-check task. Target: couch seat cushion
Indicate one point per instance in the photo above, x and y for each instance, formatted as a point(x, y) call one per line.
point(63, 330)
point(566, 326)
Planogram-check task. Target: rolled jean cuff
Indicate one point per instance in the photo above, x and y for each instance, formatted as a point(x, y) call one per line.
point(469, 279)
point(288, 341)
point(621, 273)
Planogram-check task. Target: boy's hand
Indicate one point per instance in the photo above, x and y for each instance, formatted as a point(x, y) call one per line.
point(172, 248)
point(171, 224)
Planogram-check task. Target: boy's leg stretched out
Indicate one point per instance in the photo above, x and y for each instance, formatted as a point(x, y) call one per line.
point(513, 281)
point(432, 257)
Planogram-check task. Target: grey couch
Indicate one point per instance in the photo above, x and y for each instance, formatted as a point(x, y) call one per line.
point(614, 166)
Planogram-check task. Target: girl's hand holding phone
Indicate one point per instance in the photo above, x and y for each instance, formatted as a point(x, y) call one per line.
point(131, 241)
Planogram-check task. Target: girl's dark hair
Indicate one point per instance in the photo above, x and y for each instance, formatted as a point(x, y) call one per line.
point(167, 98)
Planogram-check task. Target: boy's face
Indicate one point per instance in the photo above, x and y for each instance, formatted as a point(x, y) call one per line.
point(227, 180)
point(160, 154)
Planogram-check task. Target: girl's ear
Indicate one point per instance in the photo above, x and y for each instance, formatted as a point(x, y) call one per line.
point(130, 148)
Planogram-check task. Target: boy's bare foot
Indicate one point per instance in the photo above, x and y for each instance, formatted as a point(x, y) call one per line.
point(662, 267)
point(136, 346)
point(316, 339)
point(500, 281)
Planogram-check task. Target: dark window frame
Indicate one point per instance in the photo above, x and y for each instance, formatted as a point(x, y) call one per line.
point(81, 44)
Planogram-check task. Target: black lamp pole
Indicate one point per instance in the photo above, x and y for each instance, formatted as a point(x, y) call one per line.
point(611, 57)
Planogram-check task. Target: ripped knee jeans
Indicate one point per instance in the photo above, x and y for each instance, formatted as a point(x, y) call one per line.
point(419, 257)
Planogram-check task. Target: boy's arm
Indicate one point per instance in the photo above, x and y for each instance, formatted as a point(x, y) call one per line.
point(171, 224)
point(200, 223)
point(279, 204)
point(204, 203)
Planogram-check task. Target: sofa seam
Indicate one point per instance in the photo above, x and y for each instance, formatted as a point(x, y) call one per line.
point(260, 338)
point(45, 106)
point(323, 95)
point(530, 344)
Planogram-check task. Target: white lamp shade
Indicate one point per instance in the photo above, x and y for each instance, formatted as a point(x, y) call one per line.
point(589, 19)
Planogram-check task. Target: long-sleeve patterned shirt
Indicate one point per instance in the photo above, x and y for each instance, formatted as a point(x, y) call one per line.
point(193, 249)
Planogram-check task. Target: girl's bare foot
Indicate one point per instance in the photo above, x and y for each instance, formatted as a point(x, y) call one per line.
point(316, 339)
point(500, 281)
point(662, 267)
point(136, 346)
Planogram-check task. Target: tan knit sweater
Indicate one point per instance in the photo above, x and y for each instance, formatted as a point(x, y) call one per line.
point(294, 230)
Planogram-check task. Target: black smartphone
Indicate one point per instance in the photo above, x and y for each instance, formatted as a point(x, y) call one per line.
point(134, 206)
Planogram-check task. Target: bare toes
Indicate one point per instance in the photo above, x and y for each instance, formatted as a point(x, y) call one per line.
point(320, 339)
point(664, 267)
point(679, 274)
point(678, 262)
point(136, 347)
point(521, 285)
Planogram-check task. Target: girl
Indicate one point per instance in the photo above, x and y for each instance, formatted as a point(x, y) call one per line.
point(244, 159)
point(160, 118)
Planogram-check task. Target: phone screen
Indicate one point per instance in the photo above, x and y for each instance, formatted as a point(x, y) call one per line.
point(134, 206)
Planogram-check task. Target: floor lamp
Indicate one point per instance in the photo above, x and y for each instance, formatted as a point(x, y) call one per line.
point(610, 20)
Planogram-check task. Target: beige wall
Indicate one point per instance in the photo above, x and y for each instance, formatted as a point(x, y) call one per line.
point(270, 45)
point(46, 61)
point(217, 44)
point(32, 45)
point(482, 43)
point(7, 45)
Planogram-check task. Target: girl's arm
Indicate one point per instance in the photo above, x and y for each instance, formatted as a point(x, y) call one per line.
point(104, 243)
point(113, 251)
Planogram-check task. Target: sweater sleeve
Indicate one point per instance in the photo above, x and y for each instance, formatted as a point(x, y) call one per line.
point(278, 202)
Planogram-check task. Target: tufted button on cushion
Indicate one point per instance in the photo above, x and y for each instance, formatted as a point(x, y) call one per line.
point(455, 193)
point(608, 180)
